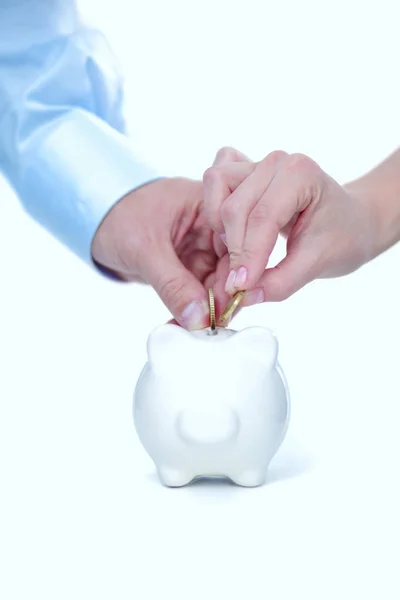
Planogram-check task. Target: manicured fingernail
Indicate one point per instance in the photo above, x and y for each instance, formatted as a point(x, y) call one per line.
point(223, 237)
point(255, 296)
point(241, 278)
point(195, 315)
point(230, 282)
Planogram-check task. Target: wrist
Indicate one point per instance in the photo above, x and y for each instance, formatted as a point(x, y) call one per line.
point(381, 202)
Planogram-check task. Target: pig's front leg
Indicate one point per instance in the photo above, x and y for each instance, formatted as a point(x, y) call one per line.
point(174, 477)
point(252, 477)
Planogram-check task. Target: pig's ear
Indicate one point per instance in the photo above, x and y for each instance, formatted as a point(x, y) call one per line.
point(258, 343)
point(166, 342)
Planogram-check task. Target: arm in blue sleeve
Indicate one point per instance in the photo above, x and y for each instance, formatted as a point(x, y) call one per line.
point(62, 142)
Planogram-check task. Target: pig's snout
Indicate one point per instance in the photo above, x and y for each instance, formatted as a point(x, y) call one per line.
point(213, 426)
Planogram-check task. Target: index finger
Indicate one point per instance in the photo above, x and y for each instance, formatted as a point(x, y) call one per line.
point(219, 183)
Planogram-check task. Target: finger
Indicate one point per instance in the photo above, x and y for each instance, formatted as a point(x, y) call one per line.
point(218, 184)
point(172, 322)
point(298, 268)
point(219, 243)
point(229, 155)
point(236, 210)
point(286, 230)
point(177, 287)
point(295, 185)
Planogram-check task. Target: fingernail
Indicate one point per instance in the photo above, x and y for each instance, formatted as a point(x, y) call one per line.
point(223, 237)
point(255, 296)
point(195, 315)
point(230, 282)
point(241, 278)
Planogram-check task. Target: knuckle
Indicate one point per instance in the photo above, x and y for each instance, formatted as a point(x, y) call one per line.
point(226, 154)
point(235, 254)
point(300, 163)
point(273, 158)
point(244, 255)
point(211, 175)
point(249, 254)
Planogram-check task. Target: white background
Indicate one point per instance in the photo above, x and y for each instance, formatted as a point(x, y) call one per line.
point(82, 515)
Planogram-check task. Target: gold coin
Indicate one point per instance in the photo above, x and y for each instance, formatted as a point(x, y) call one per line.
point(232, 306)
point(211, 303)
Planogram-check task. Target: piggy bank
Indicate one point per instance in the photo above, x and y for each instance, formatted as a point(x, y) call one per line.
point(211, 404)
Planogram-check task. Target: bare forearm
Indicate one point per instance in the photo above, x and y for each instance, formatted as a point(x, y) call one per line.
point(380, 188)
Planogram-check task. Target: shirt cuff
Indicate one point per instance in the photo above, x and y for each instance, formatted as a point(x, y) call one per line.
point(70, 174)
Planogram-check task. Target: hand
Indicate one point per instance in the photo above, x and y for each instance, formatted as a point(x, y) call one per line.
point(330, 231)
point(159, 234)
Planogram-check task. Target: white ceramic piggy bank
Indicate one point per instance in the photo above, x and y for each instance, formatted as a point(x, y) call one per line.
point(211, 404)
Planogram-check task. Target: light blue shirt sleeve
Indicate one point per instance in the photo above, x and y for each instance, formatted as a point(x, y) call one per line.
point(62, 142)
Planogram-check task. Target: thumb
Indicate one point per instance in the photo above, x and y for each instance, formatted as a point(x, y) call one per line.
point(177, 287)
point(299, 267)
